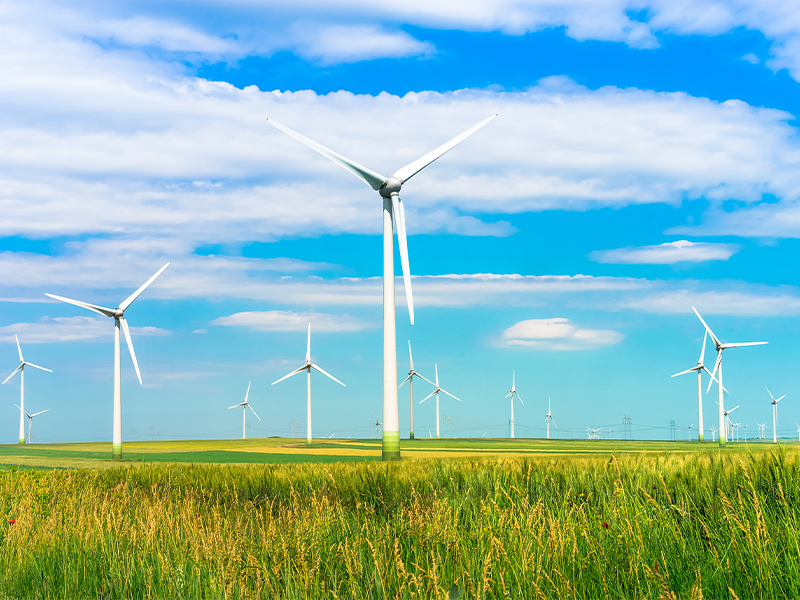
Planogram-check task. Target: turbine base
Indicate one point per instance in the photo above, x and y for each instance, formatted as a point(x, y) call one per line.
point(21, 440)
point(116, 452)
point(701, 438)
point(390, 448)
point(411, 435)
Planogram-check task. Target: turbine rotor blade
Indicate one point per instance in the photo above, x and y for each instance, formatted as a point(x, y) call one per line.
point(739, 345)
point(703, 351)
point(714, 338)
point(724, 389)
point(19, 368)
point(410, 357)
point(106, 312)
point(22, 360)
point(254, 412)
point(714, 372)
point(685, 372)
point(129, 300)
point(328, 375)
point(424, 378)
point(779, 399)
point(400, 221)
point(371, 178)
point(237, 405)
point(38, 413)
point(449, 394)
point(429, 395)
point(404, 381)
point(295, 372)
point(412, 168)
point(308, 346)
point(770, 394)
point(128, 339)
point(37, 367)
point(520, 399)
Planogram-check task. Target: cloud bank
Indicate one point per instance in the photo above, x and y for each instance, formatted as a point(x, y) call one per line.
point(557, 334)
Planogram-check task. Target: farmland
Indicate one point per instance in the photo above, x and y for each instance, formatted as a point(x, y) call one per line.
point(584, 519)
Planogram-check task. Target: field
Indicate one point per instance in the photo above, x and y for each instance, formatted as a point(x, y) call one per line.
point(496, 518)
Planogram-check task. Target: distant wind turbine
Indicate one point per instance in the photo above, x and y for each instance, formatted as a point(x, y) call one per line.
point(775, 415)
point(21, 369)
point(30, 419)
point(436, 393)
point(307, 368)
point(713, 431)
point(245, 405)
point(761, 427)
point(798, 431)
point(594, 434)
point(511, 395)
point(393, 214)
point(410, 379)
point(718, 367)
point(118, 314)
point(377, 427)
point(549, 418)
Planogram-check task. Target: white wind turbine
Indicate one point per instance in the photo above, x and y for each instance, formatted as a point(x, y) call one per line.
point(393, 213)
point(718, 366)
point(307, 368)
point(436, 392)
point(245, 405)
point(21, 368)
point(775, 415)
point(410, 379)
point(699, 367)
point(118, 315)
point(594, 434)
point(798, 431)
point(511, 395)
point(30, 419)
point(713, 432)
point(549, 418)
point(761, 427)
point(727, 420)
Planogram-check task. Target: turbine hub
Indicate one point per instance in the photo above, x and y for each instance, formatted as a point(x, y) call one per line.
point(118, 313)
point(392, 186)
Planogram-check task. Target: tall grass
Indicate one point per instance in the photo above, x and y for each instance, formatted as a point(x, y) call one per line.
point(714, 526)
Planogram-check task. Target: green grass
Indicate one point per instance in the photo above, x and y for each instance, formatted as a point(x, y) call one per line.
point(655, 524)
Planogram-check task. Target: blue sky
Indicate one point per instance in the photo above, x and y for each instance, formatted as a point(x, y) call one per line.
point(645, 159)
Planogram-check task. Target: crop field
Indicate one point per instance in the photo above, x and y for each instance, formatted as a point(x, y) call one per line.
point(493, 519)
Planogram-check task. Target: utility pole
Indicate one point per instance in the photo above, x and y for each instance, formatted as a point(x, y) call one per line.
point(626, 422)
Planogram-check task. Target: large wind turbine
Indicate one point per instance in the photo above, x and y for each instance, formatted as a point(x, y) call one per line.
point(30, 419)
point(307, 367)
point(549, 418)
point(245, 405)
point(410, 379)
point(393, 212)
point(436, 392)
point(21, 368)
point(775, 415)
point(511, 394)
point(118, 315)
point(718, 366)
point(699, 367)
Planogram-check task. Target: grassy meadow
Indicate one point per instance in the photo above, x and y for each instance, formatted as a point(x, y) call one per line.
point(591, 523)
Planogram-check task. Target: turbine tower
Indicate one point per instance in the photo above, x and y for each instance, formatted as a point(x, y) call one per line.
point(775, 415)
point(798, 431)
point(118, 314)
point(699, 367)
point(393, 214)
point(436, 392)
point(307, 368)
point(30, 419)
point(549, 418)
point(718, 366)
point(511, 395)
point(410, 379)
point(245, 405)
point(21, 368)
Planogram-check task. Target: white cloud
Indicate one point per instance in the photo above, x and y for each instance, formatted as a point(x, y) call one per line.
point(769, 302)
point(557, 334)
point(751, 58)
point(666, 254)
point(68, 329)
point(281, 320)
point(351, 43)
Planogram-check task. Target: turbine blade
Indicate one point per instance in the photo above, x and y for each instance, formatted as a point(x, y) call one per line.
point(308, 346)
point(19, 368)
point(714, 372)
point(328, 375)
point(248, 391)
point(404, 381)
point(128, 339)
point(129, 300)
point(371, 178)
point(37, 367)
point(714, 338)
point(449, 394)
point(779, 399)
point(733, 409)
point(703, 351)
point(411, 169)
point(724, 389)
point(685, 372)
point(236, 405)
point(22, 360)
point(739, 345)
point(424, 378)
point(429, 395)
point(507, 395)
point(254, 412)
point(39, 413)
point(770, 394)
point(295, 372)
point(400, 221)
point(410, 357)
point(436, 369)
point(518, 398)
point(106, 312)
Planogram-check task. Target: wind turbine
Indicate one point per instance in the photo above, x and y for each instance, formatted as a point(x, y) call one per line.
point(690, 431)
point(410, 379)
point(798, 431)
point(307, 368)
point(727, 421)
point(436, 392)
point(377, 427)
point(21, 368)
point(761, 427)
point(245, 405)
point(549, 418)
point(118, 314)
point(393, 212)
point(594, 434)
point(699, 367)
point(511, 394)
point(30, 419)
point(713, 431)
point(718, 365)
point(775, 415)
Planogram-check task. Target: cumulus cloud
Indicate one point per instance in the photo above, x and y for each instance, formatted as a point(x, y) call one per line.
point(666, 254)
point(281, 320)
point(557, 334)
point(351, 43)
point(68, 329)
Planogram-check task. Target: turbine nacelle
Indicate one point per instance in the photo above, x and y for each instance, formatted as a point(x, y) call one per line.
point(391, 187)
